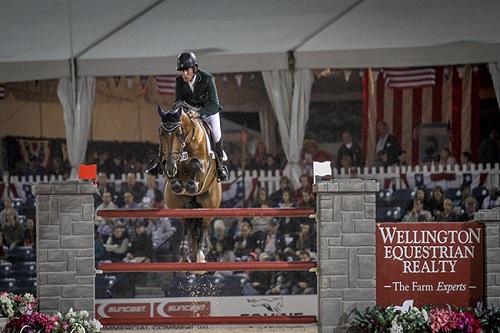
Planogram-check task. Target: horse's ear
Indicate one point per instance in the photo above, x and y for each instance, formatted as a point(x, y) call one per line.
point(161, 112)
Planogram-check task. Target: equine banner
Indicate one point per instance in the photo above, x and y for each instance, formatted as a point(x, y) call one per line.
point(430, 263)
point(207, 306)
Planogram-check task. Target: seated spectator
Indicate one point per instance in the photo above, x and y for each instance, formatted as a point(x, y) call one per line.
point(30, 233)
point(436, 201)
point(129, 201)
point(470, 209)
point(448, 214)
point(117, 245)
point(153, 198)
point(381, 160)
point(245, 242)
point(262, 199)
point(286, 199)
point(306, 200)
point(12, 229)
point(58, 168)
point(466, 192)
point(161, 231)
point(103, 186)
point(107, 202)
point(104, 229)
point(276, 197)
point(421, 194)
point(304, 282)
point(281, 282)
point(351, 149)
point(306, 240)
point(7, 204)
point(258, 281)
point(220, 253)
point(492, 200)
point(445, 157)
point(346, 161)
point(219, 235)
point(418, 214)
point(141, 249)
point(305, 185)
point(273, 241)
point(258, 160)
point(137, 189)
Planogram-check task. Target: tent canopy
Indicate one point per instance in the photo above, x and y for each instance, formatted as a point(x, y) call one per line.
point(128, 37)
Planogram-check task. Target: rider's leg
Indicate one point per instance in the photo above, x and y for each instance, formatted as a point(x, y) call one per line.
point(154, 166)
point(214, 122)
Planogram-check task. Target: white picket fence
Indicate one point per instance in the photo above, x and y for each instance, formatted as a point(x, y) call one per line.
point(395, 177)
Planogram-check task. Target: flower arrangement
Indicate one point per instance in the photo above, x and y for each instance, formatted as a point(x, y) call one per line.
point(16, 305)
point(411, 319)
point(71, 322)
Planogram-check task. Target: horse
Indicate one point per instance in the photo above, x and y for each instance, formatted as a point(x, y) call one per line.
point(190, 169)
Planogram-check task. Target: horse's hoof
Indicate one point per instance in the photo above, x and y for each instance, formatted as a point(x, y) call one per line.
point(176, 185)
point(191, 186)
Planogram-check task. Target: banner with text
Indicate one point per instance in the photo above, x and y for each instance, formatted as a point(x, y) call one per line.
point(431, 263)
point(303, 305)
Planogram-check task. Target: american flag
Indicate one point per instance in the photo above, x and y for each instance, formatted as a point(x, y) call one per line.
point(453, 100)
point(2, 91)
point(165, 84)
point(410, 77)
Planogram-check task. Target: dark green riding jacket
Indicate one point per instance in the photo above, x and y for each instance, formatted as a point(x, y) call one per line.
point(204, 95)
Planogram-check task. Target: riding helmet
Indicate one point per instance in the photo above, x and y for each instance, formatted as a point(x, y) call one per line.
point(186, 60)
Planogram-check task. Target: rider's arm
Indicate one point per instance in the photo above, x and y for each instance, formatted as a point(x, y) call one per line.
point(212, 105)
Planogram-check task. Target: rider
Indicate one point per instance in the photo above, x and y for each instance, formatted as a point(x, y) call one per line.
point(197, 88)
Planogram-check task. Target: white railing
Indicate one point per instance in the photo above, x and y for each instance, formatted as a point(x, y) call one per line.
point(395, 177)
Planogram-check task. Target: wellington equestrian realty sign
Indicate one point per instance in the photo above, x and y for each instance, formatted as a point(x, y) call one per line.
point(430, 263)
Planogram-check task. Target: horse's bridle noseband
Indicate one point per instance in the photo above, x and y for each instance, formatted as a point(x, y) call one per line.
point(169, 128)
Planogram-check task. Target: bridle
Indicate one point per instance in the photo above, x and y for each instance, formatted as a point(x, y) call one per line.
point(169, 128)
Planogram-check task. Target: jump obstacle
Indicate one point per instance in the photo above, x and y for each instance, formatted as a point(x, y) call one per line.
point(346, 237)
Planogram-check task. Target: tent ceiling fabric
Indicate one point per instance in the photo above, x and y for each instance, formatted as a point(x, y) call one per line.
point(241, 36)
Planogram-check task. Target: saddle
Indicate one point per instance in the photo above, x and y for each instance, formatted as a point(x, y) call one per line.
point(195, 116)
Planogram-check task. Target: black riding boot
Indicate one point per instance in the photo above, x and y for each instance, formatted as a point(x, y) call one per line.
point(154, 167)
point(222, 172)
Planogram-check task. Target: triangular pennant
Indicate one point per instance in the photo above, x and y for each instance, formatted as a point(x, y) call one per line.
point(117, 80)
point(130, 81)
point(239, 79)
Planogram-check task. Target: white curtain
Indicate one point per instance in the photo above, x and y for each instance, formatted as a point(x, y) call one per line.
point(267, 122)
point(77, 118)
point(495, 77)
point(290, 102)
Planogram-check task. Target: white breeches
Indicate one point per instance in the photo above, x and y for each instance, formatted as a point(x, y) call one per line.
point(214, 122)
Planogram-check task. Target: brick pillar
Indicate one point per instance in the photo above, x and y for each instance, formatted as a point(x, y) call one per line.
point(346, 232)
point(65, 246)
point(491, 219)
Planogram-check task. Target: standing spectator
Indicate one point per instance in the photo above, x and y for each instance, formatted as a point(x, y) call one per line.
point(142, 246)
point(117, 245)
point(387, 143)
point(493, 199)
point(276, 197)
point(245, 242)
point(448, 214)
point(271, 163)
point(13, 231)
point(488, 149)
point(258, 160)
point(132, 186)
point(466, 159)
point(470, 209)
point(351, 149)
point(311, 153)
point(418, 214)
point(161, 230)
point(153, 197)
point(445, 157)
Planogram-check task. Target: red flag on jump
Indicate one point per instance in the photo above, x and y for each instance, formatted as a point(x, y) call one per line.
point(88, 171)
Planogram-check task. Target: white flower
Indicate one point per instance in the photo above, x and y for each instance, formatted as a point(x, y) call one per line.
point(425, 315)
point(396, 328)
point(96, 325)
